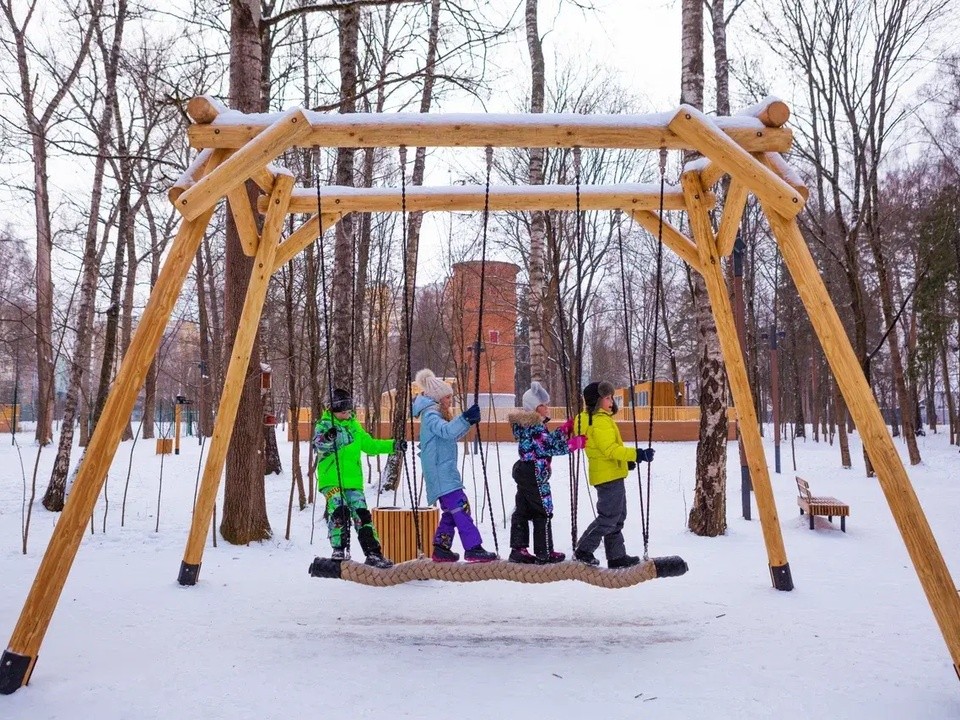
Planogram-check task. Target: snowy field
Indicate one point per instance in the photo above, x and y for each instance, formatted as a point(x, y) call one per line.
point(259, 638)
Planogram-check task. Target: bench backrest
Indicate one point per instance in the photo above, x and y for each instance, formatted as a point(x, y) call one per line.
point(803, 487)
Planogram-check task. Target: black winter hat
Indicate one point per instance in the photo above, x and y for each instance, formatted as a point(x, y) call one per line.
point(593, 392)
point(340, 401)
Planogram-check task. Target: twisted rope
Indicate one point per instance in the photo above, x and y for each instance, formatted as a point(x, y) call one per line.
point(423, 569)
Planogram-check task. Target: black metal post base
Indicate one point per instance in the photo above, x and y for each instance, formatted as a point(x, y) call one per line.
point(746, 486)
point(189, 573)
point(13, 671)
point(782, 579)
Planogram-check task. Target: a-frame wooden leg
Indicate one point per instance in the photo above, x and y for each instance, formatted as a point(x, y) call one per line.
point(739, 382)
point(233, 383)
point(20, 656)
point(921, 545)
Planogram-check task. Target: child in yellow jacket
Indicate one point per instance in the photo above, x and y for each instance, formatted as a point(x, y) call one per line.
point(608, 462)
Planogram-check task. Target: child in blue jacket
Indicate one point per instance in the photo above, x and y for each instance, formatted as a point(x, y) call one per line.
point(438, 455)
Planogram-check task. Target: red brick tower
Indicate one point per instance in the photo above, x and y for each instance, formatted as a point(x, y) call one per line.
point(499, 323)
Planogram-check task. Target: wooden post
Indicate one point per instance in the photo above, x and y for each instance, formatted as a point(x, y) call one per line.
point(233, 382)
point(739, 381)
point(733, 206)
point(683, 246)
point(301, 237)
point(20, 656)
point(919, 540)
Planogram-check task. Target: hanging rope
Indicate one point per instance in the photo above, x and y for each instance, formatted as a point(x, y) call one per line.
point(408, 325)
point(326, 329)
point(565, 365)
point(658, 299)
point(479, 343)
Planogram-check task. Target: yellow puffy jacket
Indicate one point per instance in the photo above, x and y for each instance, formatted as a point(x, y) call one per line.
point(607, 456)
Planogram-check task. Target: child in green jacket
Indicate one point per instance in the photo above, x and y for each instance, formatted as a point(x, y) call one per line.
point(608, 462)
point(338, 440)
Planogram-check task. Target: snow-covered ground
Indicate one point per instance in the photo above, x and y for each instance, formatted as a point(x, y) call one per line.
point(259, 638)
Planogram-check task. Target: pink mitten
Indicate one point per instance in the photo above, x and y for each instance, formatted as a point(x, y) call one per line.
point(567, 426)
point(577, 442)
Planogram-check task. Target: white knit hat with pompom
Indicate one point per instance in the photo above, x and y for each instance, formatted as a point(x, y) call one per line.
point(432, 386)
point(536, 396)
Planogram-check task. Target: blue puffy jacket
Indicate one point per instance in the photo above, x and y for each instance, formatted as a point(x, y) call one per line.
point(438, 447)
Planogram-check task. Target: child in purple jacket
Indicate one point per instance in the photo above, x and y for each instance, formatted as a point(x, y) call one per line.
point(531, 472)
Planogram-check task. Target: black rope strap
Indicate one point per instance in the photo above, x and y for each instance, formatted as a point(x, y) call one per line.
point(326, 329)
point(479, 343)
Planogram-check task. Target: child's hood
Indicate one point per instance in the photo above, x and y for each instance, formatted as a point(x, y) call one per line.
point(421, 403)
point(525, 418)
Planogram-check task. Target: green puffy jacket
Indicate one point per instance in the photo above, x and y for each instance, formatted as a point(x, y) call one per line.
point(351, 439)
point(607, 456)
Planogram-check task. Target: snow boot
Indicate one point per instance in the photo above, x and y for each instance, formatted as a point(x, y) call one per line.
point(624, 561)
point(553, 557)
point(378, 561)
point(340, 554)
point(522, 555)
point(478, 554)
point(444, 554)
point(585, 557)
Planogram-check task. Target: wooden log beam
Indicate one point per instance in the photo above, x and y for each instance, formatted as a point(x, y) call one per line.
point(244, 163)
point(710, 172)
point(235, 377)
point(244, 219)
point(189, 176)
point(739, 381)
point(502, 197)
point(776, 162)
point(733, 206)
point(938, 585)
point(205, 108)
point(21, 654)
point(301, 237)
point(771, 111)
point(705, 136)
point(649, 132)
point(683, 246)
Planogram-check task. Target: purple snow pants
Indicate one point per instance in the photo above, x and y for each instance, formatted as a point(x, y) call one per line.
point(456, 515)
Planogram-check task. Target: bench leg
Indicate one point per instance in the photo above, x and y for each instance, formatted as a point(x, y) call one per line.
point(829, 518)
point(811, 521)
point(843, 523)
point(801, 511)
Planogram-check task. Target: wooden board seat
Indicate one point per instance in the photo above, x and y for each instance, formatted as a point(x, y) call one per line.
point(823, 506)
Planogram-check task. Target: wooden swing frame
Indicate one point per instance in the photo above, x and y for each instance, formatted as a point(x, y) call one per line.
point(236, 147)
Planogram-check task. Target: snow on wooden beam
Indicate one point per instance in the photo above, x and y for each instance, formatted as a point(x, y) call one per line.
point(232, 129)
point(246, 162)
point(706, 137)
point(771, 111)
point(785, 171)
point(627, 196)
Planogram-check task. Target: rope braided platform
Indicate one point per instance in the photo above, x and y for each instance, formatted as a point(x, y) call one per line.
point(426, 569)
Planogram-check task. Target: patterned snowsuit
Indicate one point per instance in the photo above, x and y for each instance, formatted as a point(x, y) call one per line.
point(531, 472)
point(343, 470)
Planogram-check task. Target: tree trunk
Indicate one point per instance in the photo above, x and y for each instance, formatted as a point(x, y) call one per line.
point(708, 515)
point(244, 516)
point(537, 329)
point(293, 384)
point(340, 284)
point(840, 412)
point(205, 400)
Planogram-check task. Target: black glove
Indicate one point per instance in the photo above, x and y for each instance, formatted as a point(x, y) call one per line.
point(631, 465)
point(400, 446)
point(472, 414)
point(645, 455)
point(330, 434)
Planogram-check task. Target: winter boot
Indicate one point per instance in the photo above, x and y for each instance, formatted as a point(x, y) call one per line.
point(585, 557)
point(377, 560)
point(553, 557)
point(624, 561)
point(522, 555)
point(340, 554)
point(444, 554)
point(478, 554)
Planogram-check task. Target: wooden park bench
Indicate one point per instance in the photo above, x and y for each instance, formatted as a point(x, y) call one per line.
point(823, 506)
